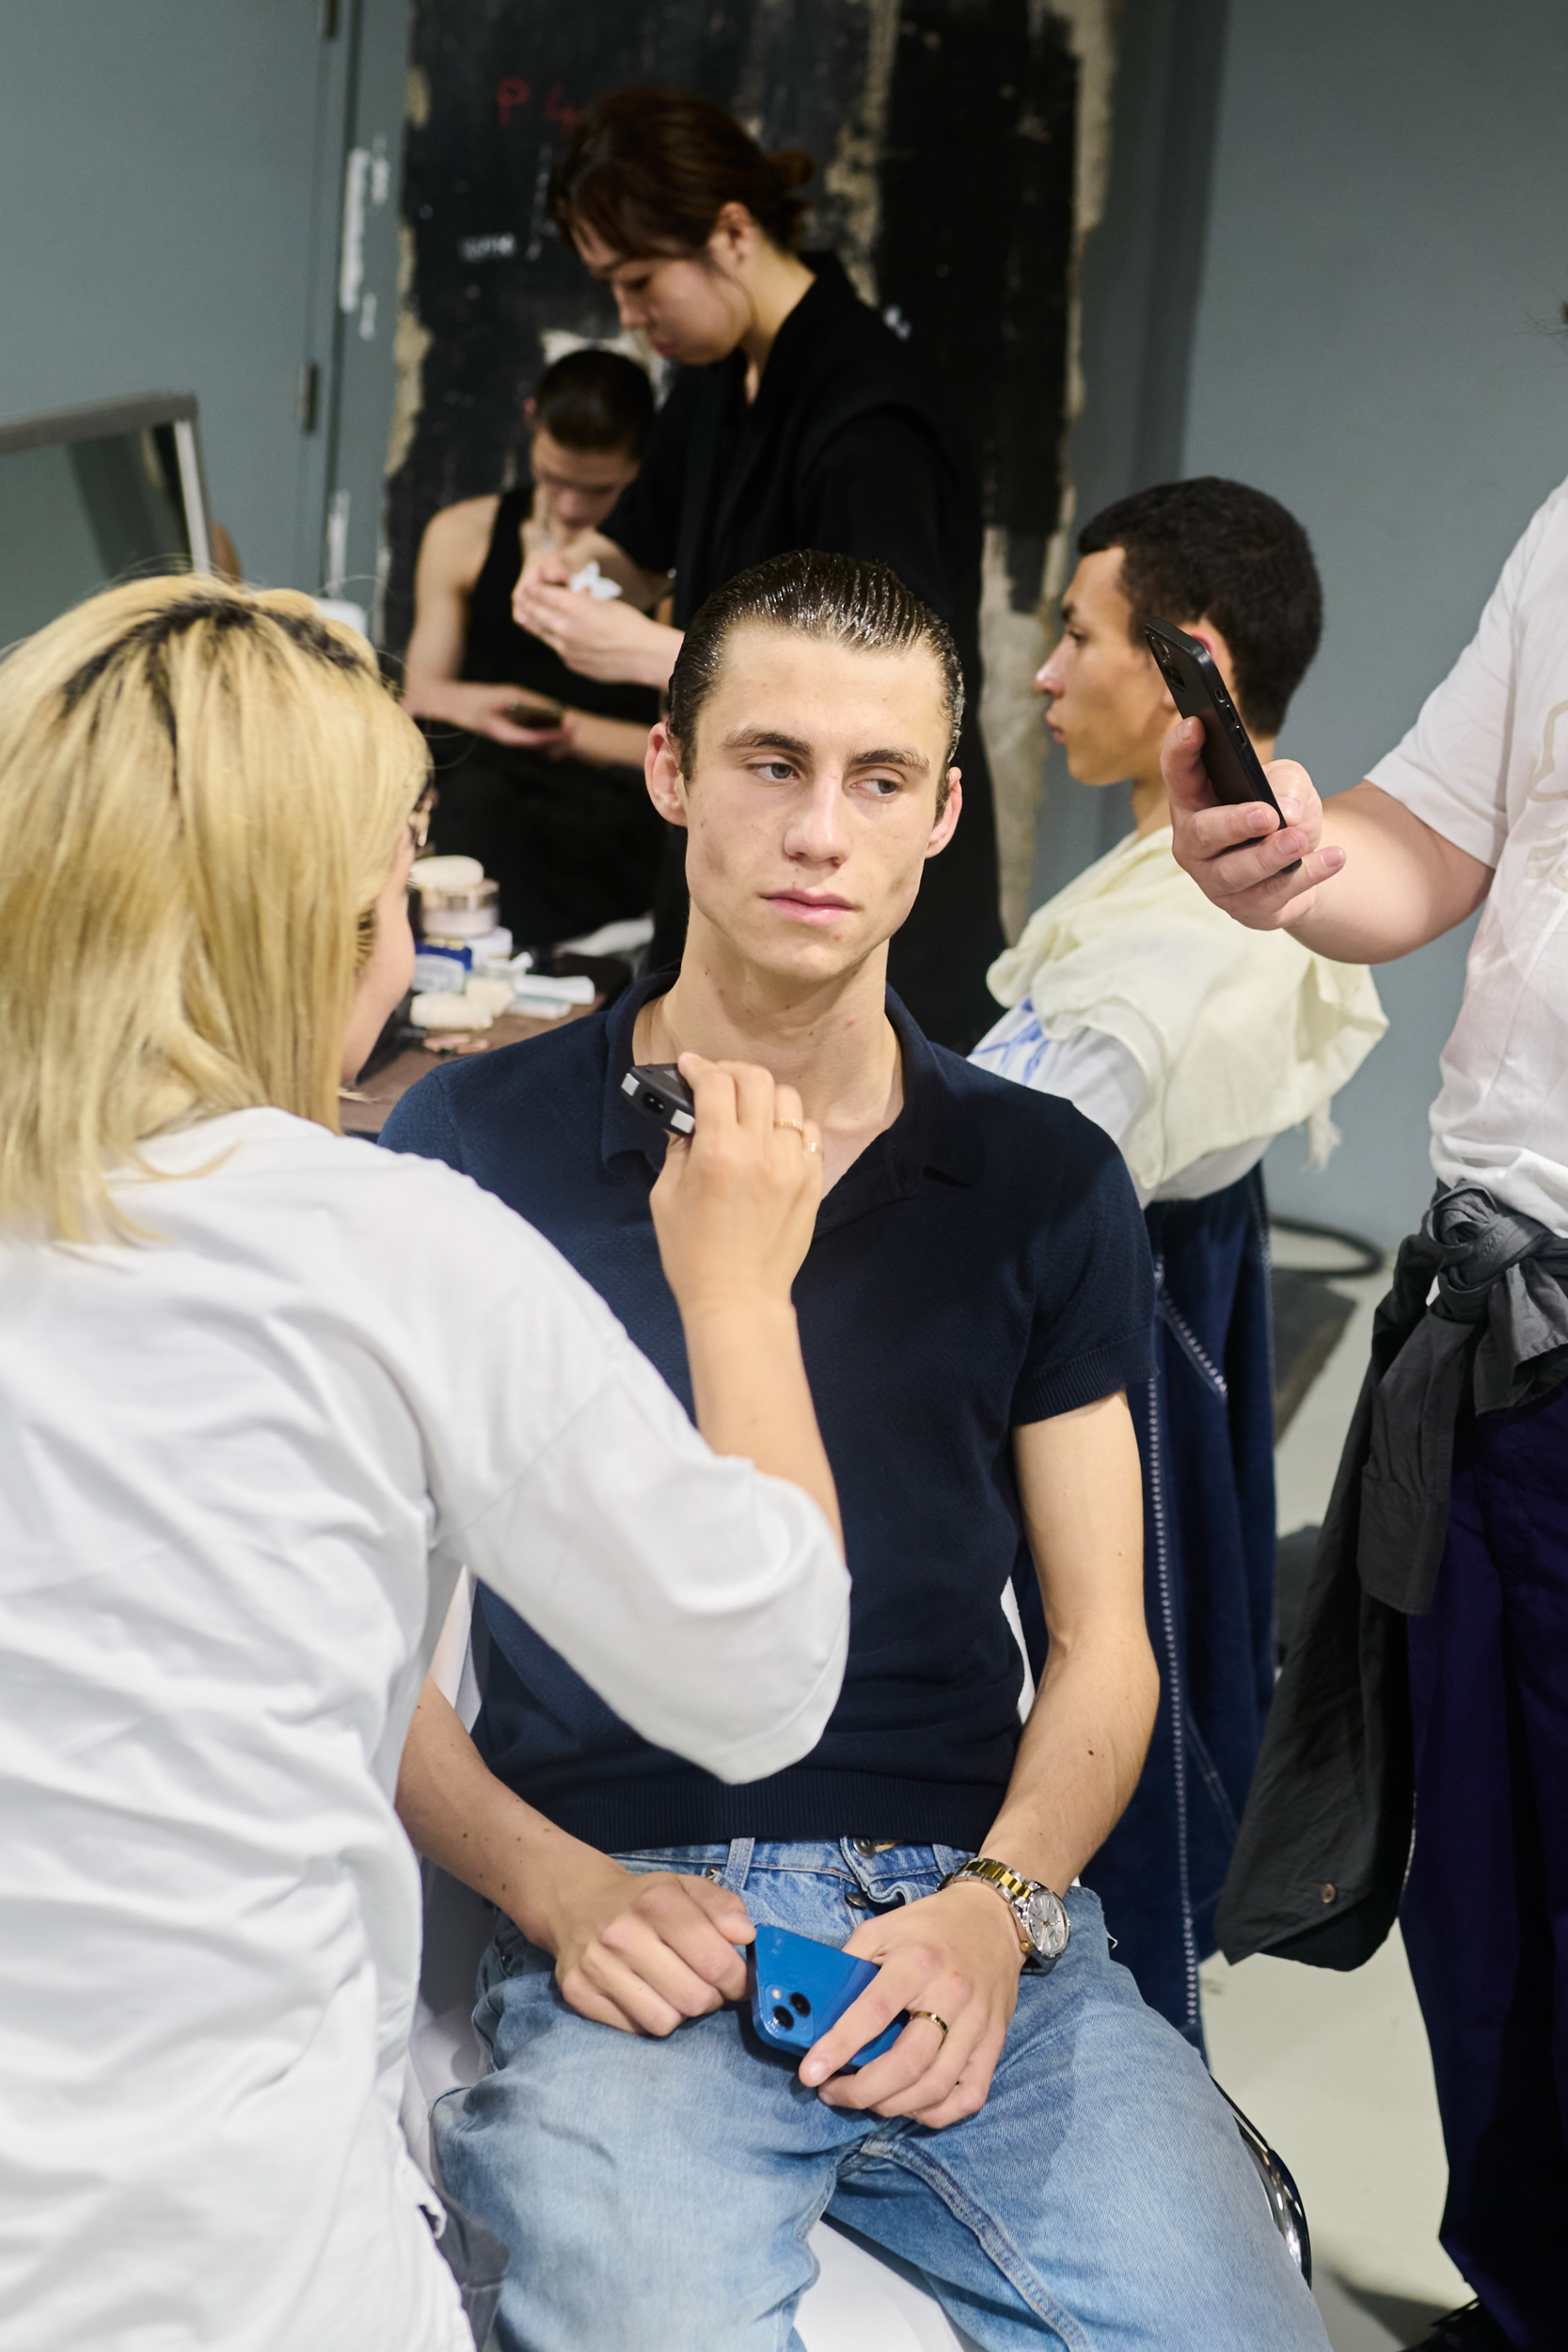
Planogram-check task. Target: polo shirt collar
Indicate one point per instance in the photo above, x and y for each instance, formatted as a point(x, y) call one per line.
point(930, 1135)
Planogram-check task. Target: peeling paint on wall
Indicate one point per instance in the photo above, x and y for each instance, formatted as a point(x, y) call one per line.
point(1014, 643)
point(852, 173)
point(409, 346)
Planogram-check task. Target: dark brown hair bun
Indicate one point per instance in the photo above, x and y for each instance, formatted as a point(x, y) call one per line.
point(794, 168)
point(649, 171)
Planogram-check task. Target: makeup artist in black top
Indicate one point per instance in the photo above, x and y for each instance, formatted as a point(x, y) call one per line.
point(797, 420)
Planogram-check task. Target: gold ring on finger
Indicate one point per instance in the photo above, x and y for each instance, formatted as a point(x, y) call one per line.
point(934, 2018)
point(793, 1123)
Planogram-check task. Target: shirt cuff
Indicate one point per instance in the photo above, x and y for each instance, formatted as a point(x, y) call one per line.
point(1115, 1364)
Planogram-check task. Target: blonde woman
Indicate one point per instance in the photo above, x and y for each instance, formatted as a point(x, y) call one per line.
point(261, 1389)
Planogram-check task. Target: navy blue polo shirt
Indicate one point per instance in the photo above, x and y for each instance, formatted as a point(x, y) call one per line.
point(982, 1264)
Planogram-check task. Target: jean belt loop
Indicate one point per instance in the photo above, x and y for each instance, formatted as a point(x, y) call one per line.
point(738, 1864)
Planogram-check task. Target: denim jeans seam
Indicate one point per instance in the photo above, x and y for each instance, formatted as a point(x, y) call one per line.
point(807, 2223)
point(992, 2239)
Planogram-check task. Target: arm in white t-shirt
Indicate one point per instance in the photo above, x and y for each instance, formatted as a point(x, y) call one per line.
point(1411, 851)
point(706, 1600)
point(1396, 880)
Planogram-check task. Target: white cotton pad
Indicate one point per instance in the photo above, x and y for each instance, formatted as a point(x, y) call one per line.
point(590, 581)
point(449, 1013)
point(445, 873)
point(494, 996)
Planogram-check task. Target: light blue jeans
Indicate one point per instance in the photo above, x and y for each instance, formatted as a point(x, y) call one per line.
point(657, 2196)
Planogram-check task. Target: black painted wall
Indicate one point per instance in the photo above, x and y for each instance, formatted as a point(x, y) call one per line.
point(955, 135)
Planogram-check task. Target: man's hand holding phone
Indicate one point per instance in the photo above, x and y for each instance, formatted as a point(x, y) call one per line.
point(954, 1957)
point(502, 712)
point(1236, 853)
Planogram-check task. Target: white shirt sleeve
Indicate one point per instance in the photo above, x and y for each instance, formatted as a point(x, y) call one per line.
point(705, 1602)
point(1092, 1070)
point(1452, 768)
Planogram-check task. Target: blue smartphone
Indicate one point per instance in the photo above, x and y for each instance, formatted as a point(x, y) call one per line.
point(799, 1988)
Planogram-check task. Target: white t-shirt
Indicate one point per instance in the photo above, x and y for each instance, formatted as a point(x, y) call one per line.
point(1486, 766)
point(240, 1466)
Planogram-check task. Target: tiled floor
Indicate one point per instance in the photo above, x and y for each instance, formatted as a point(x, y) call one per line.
point(1334, 2069)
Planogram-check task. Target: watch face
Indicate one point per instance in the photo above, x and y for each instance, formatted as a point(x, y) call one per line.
point(1045, 1923)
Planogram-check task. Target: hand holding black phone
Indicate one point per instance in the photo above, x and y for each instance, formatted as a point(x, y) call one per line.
point(1198, 691)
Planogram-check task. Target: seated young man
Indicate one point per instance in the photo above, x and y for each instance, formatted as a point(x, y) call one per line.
point(976, 1300)
point(1193, 1043)
point(553, 807)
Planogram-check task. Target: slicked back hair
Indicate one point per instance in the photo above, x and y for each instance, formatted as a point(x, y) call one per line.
point(1216, 551)
point(838, 600)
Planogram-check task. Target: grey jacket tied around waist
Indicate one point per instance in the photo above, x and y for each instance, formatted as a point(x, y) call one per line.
point(1500, 1319)
point(1479, 1295)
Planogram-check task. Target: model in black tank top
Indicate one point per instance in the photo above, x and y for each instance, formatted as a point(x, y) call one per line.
point(571, 845)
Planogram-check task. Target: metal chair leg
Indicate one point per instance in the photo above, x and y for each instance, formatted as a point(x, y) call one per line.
point(1290, 2214)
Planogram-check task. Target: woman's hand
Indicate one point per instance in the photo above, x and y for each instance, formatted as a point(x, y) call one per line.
point(734, 1210)
point(490, 710)
point(643, 1950)
point(599, 638)
point(735, 1204)
point(956, 1953)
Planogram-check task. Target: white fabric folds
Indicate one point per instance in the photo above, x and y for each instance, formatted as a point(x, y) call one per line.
point(1240, 1034)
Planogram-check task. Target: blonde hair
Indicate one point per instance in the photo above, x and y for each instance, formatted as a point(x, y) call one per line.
point(202, 792)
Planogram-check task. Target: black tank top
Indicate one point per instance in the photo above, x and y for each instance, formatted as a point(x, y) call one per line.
point(499, 653)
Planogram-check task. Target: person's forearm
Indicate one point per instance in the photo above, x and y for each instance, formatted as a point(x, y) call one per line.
point(607, 742)
point(750, 1396)
point(641, 588)
point(1080, 1757)
point(461, 1817)
point(650, 659)
point(425, 692)
point(1402, 884)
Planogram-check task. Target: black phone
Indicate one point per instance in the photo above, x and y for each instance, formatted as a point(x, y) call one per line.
point(1198, 691)
point(662, 1095)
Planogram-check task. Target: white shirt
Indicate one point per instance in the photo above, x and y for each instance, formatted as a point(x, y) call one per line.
point(1486, 766)
point(1105, 1080)
point(1190, 1040)
point(240, 1466)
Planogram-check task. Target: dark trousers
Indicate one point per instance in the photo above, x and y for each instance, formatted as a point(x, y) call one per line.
point(1485, 1910)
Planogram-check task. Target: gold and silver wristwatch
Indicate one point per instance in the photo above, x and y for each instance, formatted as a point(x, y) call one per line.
point(1040, 1916)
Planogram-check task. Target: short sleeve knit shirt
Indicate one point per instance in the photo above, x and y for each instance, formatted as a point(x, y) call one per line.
point(982, 1265)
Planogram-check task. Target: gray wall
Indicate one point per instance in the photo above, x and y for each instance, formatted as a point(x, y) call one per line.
point(1387, 258)
point(171, 182)
point(1140, 290)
